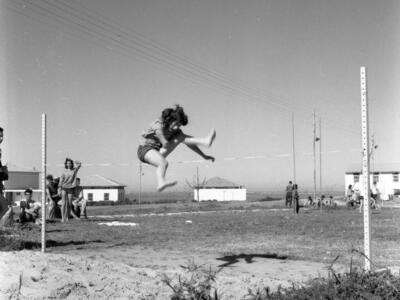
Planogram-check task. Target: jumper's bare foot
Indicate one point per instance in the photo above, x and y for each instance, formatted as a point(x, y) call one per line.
point(211, 137)
point(162, 187)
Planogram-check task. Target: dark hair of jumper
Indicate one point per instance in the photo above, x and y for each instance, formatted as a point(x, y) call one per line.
point(1, 129)
point(170, 115)
point(66, 161)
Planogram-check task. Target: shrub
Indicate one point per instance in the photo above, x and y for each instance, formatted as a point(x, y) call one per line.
point(352, 285)
point(10, 239)
point(197, 284)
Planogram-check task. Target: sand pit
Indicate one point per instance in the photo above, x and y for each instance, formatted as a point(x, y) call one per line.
point(134, 273)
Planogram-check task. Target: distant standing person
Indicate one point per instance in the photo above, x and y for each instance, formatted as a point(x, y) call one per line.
point(288, 197)
point(66, 188)
point(295, 199)
point(6, 211)
point(349, 195)
point(375, 195)
point(163, 136)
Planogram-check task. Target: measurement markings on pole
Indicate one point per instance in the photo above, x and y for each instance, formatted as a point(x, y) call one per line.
point(43, 182)
point(365, 167)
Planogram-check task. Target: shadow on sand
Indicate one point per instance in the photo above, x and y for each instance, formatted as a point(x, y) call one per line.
point(51, 243)
point(233, 259)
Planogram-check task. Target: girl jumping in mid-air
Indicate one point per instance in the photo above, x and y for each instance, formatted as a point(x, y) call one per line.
point(161, 139)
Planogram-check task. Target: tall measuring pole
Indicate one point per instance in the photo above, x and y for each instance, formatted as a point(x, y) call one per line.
point(315, 171)
point(294, 151)
point(43, 179)
point(365, 167)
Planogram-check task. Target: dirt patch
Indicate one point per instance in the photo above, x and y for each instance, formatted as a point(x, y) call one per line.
point(134, 273)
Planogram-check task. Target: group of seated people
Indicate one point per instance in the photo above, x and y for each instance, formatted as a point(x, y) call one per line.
point(353, 196)
point(30, 209)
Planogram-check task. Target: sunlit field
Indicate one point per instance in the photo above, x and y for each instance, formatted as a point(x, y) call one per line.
point(263, 228)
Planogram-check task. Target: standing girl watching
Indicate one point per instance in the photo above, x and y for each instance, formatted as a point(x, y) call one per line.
point(66, 188)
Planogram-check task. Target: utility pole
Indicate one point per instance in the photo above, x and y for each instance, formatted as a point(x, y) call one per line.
point(294, 151)
point(197, 184)
point(372, 154)
point(314, 160)
point(140, 183)
point(320, 161)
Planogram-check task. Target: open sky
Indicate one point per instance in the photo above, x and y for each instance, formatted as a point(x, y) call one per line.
point(103, 70)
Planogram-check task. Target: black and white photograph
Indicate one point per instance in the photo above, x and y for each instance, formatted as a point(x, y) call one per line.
point(199, 149)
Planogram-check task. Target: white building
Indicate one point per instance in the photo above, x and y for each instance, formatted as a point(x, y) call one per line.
point(20, 179)
point(386, 177)
point(99, 188)
point(220, 189)
point(95, 187)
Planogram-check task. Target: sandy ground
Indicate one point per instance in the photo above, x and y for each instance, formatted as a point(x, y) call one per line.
point(134, 273)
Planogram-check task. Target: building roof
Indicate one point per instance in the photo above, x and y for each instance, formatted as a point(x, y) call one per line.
point(99, 181)
point(218, 182)
point(375, 167)
point(15, 168)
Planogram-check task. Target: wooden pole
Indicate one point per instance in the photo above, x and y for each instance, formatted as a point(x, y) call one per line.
point(140, 183)
point(320, 162)
point(197, 185)
point(294, 151)
point(314, 160)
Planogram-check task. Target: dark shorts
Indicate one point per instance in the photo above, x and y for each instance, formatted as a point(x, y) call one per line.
point(142, 150)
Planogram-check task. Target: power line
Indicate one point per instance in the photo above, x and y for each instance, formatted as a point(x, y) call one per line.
point(212, 79)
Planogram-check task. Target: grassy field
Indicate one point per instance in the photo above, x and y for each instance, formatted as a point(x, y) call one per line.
point(260, 228)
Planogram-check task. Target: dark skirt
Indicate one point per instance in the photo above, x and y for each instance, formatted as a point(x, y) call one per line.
point(142, 150)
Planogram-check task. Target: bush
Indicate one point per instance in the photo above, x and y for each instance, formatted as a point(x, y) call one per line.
point(10, 239)
point(196, 285)
point(352, 285)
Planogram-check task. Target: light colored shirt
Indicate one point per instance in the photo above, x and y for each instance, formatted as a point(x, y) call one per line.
point(68, 178)
point(157, 136)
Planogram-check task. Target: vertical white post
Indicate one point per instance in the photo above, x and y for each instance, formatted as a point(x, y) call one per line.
point(365, 168)
point(294, 151)
point(44, 145)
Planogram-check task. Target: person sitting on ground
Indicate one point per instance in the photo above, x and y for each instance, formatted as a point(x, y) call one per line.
point(79, 203)
point(29, 209)
point(53, 198)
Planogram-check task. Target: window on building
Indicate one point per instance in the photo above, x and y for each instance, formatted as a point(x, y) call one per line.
point(90, 196)
point(395, 177)
point(106, 196)
point(375, 177)
point(18, 193)
point(356, 178)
